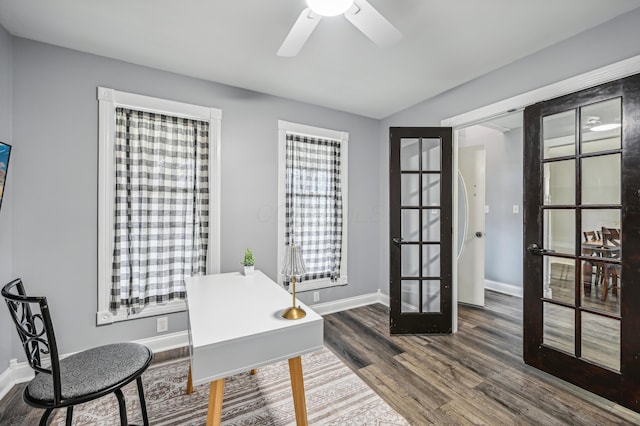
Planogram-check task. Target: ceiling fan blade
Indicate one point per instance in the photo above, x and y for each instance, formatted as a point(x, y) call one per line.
point(299, 33)
point(375, 26)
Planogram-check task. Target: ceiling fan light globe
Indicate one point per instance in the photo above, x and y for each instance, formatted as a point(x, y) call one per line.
point(329, 7)
point(605, 127)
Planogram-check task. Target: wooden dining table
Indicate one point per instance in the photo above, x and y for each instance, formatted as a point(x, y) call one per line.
point(600, 251)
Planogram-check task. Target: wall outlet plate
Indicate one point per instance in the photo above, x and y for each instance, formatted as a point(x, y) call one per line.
point(162, 324)
point(316, 296)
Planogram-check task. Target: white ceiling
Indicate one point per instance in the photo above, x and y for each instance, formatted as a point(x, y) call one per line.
point(446, 42)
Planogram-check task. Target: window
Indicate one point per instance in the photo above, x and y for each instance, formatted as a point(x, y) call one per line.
point(312, 202)
point(158, 212)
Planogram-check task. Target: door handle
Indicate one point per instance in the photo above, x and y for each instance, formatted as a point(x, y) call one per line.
point(534, 249)
point(479, 234)
point(397, 241)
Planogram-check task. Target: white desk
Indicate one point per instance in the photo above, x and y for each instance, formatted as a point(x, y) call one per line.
point(235, 326)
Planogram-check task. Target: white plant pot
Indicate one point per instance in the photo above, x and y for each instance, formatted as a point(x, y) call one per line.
point(248, 270)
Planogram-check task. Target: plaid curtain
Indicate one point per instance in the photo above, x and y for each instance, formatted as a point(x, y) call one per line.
point(313, 204)
point(161, 213)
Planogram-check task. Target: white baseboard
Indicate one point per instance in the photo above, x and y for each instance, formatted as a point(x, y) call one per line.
point(6, 382)
point(19, 372)
point(505, 288)
point(350, 303)
point(166, 342)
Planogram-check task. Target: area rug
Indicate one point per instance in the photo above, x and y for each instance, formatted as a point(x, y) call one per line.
point(335, 396)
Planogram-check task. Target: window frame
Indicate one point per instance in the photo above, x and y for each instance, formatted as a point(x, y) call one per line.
point(108, 101)
point(285, 127)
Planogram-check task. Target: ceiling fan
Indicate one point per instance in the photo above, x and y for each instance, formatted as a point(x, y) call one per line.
point(359, 12)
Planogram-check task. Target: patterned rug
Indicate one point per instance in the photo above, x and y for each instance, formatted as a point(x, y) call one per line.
point(335, 396)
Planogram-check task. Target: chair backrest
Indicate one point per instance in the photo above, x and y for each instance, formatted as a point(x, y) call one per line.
point(590, 236)
point(610, 236)
point(33, 323)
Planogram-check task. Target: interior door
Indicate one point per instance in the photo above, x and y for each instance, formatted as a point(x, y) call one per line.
point(471, 165)
point(582, 207)
point(420, 191)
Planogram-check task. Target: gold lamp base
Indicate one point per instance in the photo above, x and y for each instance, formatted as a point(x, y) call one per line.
point(294, 313)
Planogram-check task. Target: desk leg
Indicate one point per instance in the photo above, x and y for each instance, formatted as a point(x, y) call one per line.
point(216, 392)
point(189, 382)
point(297, 386)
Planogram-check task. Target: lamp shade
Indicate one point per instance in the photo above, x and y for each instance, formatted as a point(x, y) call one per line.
point(293, 264)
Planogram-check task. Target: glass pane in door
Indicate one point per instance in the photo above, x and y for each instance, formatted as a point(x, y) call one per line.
point(601, 179)
point(431, 225)
point(431, 260)
point(410, 224)
point(559, 230)
point(601, 125)
point(601, 340)
point(410, 260)
point(431, 296)
point(410, 187)
point(601, 287)
point(410, 296)
point(560, 183)
point(431, 154)
point(431, 189)
point(558, 327)
point(409, 154)
point(559, 134)
point(559, 279)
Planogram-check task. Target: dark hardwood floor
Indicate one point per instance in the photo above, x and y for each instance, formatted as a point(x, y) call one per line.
point(476, 376)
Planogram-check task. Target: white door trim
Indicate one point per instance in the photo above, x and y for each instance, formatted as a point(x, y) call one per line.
point(598, 76)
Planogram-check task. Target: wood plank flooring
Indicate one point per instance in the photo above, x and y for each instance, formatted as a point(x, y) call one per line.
point(476, 376)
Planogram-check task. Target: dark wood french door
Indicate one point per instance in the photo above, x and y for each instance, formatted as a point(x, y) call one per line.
point(420, 189)
point(582, 239)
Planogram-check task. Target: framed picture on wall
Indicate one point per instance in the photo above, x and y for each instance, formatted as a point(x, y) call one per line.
point(5, 152)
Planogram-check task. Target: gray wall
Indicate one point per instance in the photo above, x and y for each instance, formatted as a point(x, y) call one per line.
point(503, 182)
point(608, 43)
point(55, 181)
point(6, 331)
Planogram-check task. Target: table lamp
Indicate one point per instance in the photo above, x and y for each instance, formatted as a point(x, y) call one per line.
point(293, 266)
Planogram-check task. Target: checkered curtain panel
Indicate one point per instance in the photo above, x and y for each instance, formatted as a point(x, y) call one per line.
point(161, 216)
point(313, 204)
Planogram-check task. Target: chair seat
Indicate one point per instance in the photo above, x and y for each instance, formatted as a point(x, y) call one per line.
point(91, 372)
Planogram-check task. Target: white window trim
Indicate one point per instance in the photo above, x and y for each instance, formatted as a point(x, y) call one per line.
point(108, 101)
point(285, 127)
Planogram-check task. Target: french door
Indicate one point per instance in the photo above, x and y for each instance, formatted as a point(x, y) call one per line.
point(420, 188)
point(582, 239)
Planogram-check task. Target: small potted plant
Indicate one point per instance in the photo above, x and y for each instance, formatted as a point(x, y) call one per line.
point(248, 262)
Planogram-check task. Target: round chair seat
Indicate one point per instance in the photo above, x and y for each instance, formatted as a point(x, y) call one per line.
point(92, 372)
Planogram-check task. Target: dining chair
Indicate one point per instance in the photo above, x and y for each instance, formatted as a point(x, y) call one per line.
point(612, 246)
point(78, 378)
point(590, 236)
point(593, 269)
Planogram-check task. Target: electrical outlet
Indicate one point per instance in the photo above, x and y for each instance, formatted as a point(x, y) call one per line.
point(316, 296)
point(516, 209)
point(162, 324)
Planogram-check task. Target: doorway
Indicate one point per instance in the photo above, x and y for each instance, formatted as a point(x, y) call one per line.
point(489, 208)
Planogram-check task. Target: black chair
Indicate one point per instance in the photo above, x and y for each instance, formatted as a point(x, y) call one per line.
point(78, 378)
